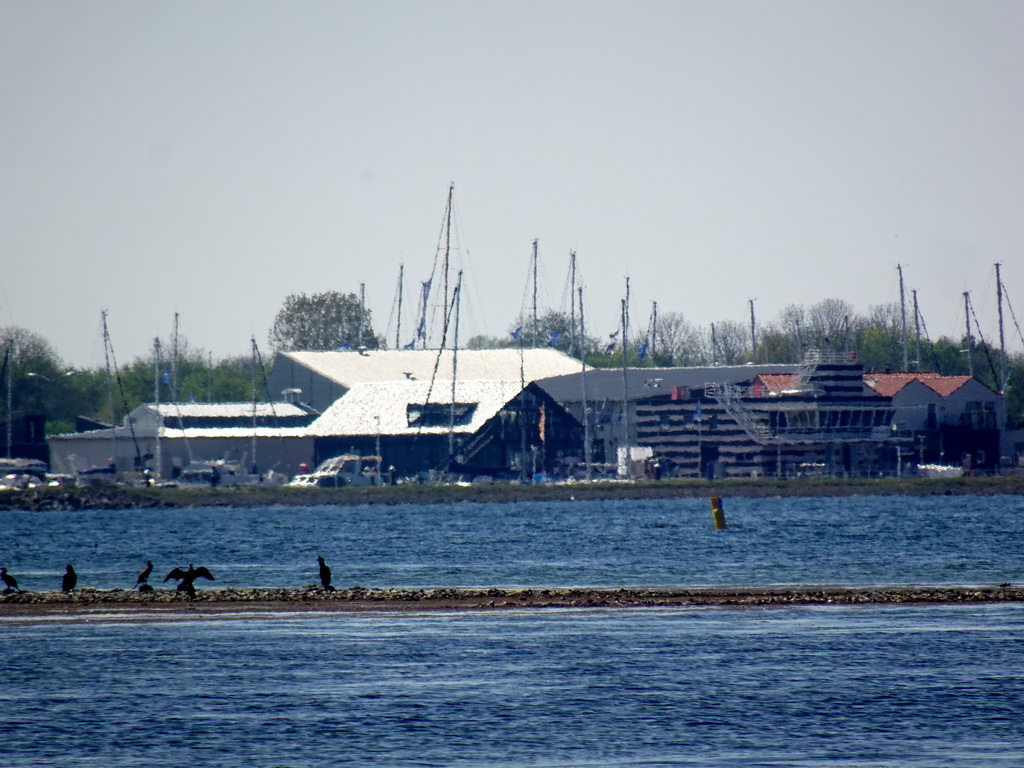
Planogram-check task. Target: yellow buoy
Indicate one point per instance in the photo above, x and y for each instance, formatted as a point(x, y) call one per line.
point(718, 513)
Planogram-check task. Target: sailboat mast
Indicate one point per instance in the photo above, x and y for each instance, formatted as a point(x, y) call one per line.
point(255, 364)
point(572, 303)
point(583, 384)
point(156, 400)
point(398, 324)
point(536, 322)
point(917, 331)
point(753, 334)
point(174, 361)
point(654, 329)
point(110, 388)
point(625, 379)
point(455, 359)
point(903, 318)
point(1002, 339)
point(362, 315)
point(447, 245)
point(967, 317)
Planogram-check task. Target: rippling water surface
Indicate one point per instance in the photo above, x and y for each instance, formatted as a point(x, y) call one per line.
point(872, 686)
point(871, 540)
point(804, 686)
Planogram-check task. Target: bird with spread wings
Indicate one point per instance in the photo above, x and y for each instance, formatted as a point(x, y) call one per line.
point(186, 577)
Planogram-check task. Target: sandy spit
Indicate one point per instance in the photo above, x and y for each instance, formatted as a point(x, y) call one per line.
point(228, 601)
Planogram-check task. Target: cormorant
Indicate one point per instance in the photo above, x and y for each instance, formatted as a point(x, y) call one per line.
point(325, 574)
point(187, 577)
point(67, 584)
point(143, 577)
point(10, 582)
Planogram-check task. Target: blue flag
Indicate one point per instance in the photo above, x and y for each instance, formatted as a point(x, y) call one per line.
point(553, 338)
point(517, 334)
point(345, 346)
point(641, 351)
point(410, 345)
point(167, 377)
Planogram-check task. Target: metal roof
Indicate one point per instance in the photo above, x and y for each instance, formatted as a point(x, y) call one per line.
point(351, 368)
point(227, 410)
point(381, 408)
point(643, 383)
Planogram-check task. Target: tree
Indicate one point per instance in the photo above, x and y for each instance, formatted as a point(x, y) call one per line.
point(679, 342)
point(733, 342)
point(322, 322)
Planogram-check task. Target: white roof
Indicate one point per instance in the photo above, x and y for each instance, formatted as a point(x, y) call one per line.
point(227, 410)
point(380, 408)
point(351, 368)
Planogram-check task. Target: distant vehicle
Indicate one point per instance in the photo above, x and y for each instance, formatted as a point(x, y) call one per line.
point(341, 471)
point(223, 474)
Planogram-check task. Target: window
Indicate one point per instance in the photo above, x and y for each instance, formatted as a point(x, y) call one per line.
point(439, 414)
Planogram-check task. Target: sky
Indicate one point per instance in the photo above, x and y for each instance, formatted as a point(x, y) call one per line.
point(206, 159)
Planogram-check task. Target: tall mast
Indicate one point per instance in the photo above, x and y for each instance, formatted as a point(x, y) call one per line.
point(9, 368)
point(174, 361)
point(1002, 340)
point(398, 325)
point(583, 384)
point(903, 318)
point(654, 329)
point(970, 345)
point(536, 322)
point(455, 358)
point(156, 400)
point(917, 332)
point(110, 387)
point(753, 334)
point(447, 245)
point(362, 314)
point(714, 346)
point(255, 422)
point(572, 302)
point(625, 379)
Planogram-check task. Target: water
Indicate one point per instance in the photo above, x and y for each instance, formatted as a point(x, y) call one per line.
point(856, 541)
point(798, 686)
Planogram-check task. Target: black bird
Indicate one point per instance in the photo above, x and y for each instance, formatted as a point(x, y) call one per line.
point(187, 577)
point(67, 584)
point(325, 574)
point(9, 581)
point(143, 577)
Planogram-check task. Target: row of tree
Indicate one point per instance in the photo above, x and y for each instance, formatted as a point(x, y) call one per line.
point(36, 380)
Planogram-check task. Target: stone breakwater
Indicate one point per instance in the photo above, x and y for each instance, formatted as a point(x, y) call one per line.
point(314, 598)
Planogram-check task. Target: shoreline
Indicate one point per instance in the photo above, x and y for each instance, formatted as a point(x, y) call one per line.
point(116, 497)
point(228, 602)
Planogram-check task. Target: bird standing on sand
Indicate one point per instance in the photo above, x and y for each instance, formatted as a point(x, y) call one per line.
point(325, 574)
point(187, 577)
point(142, 580)
point(10, 583)
point(70, 579)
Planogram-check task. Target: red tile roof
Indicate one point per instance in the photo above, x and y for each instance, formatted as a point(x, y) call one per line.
point(888, 384)
point(776, 383)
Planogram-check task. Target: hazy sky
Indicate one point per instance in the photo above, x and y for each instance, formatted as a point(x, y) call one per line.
point(209, 158)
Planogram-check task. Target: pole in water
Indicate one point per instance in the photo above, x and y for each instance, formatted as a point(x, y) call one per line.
point(718, 513)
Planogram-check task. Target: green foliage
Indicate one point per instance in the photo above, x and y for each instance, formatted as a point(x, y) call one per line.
point(322, 322)
point(42, 384)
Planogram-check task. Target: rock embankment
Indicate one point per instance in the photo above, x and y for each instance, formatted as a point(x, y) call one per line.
point(361, 599)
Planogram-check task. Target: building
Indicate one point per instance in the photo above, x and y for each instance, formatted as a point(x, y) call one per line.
point(816, 418)
point(168, 437)
point(954, 420)
point(323, 377)
point(474, 428)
